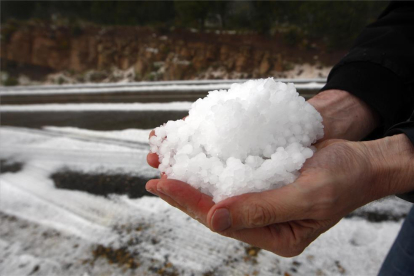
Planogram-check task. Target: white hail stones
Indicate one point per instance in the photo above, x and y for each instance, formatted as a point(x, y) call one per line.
point(251, 138)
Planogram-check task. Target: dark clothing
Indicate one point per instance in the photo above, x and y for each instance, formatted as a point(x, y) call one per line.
point(400, 258)
point(379, 69)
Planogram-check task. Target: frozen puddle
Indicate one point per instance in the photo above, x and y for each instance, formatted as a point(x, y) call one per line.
point(50, 231)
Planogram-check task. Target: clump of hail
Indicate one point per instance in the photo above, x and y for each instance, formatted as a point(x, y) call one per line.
point(254, 137)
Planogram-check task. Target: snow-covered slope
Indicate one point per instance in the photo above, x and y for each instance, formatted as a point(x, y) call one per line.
point(50, 231)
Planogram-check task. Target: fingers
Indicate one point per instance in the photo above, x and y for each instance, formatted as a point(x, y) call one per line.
point(259, 209)
point(152, 160)
point(287, 238)
point(182, 196)
point(151, 186)
point(284, 239)
point(280, 238)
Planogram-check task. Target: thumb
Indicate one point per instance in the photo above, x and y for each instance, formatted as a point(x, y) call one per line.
point(259, 209)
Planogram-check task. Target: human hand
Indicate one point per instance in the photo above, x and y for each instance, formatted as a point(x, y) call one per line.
point(152, 158)
point(339, 178)
point(344, 115)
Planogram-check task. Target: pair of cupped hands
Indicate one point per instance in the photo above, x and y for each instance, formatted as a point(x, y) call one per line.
point(341, 176)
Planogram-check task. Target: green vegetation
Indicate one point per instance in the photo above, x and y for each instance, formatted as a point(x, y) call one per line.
point(101, 12)
point(11, 81)
point(335, 22)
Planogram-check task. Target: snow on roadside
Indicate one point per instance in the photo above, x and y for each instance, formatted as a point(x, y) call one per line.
point(155, 86)
point(122, 89)
point(54, 153)
point(172, 106)
point(134, 135)
point(156, 235)
point(390, 206)
point(177, 83)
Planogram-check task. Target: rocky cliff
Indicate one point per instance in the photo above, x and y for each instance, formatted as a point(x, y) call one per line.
point(152, 54)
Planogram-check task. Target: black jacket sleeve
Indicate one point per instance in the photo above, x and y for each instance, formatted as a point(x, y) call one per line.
point(379, 69)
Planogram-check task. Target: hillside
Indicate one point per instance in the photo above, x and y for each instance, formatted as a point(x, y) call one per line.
point(112, 53)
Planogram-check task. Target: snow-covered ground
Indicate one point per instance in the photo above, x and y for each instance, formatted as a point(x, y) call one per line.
point(174, 83)
point(124, 107)
point(50, 231)
point(312, 84)
point(132, 135)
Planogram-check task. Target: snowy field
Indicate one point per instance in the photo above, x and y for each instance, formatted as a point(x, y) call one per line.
point(153, 86)
point(45, 230)
point(124, 107)
point(73, 202)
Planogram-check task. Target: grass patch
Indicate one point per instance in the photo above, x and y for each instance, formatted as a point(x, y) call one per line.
point(121, 256)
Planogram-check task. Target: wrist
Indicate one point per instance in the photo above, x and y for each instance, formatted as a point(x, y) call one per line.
point(344, 115)
point(392, 165)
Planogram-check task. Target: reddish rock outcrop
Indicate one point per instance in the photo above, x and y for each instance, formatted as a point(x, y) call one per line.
point(176, 55)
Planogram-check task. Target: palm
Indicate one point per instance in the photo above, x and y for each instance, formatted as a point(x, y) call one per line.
point(305, 206)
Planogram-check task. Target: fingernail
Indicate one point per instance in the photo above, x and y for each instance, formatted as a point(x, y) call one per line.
point(221, 220)
point(161, 192)
point(151, 191)
point(150, 186)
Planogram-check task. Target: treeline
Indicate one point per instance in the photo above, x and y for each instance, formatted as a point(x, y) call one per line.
point(337, 22)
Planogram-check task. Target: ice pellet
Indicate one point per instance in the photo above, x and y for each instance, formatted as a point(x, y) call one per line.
point(253, 137)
